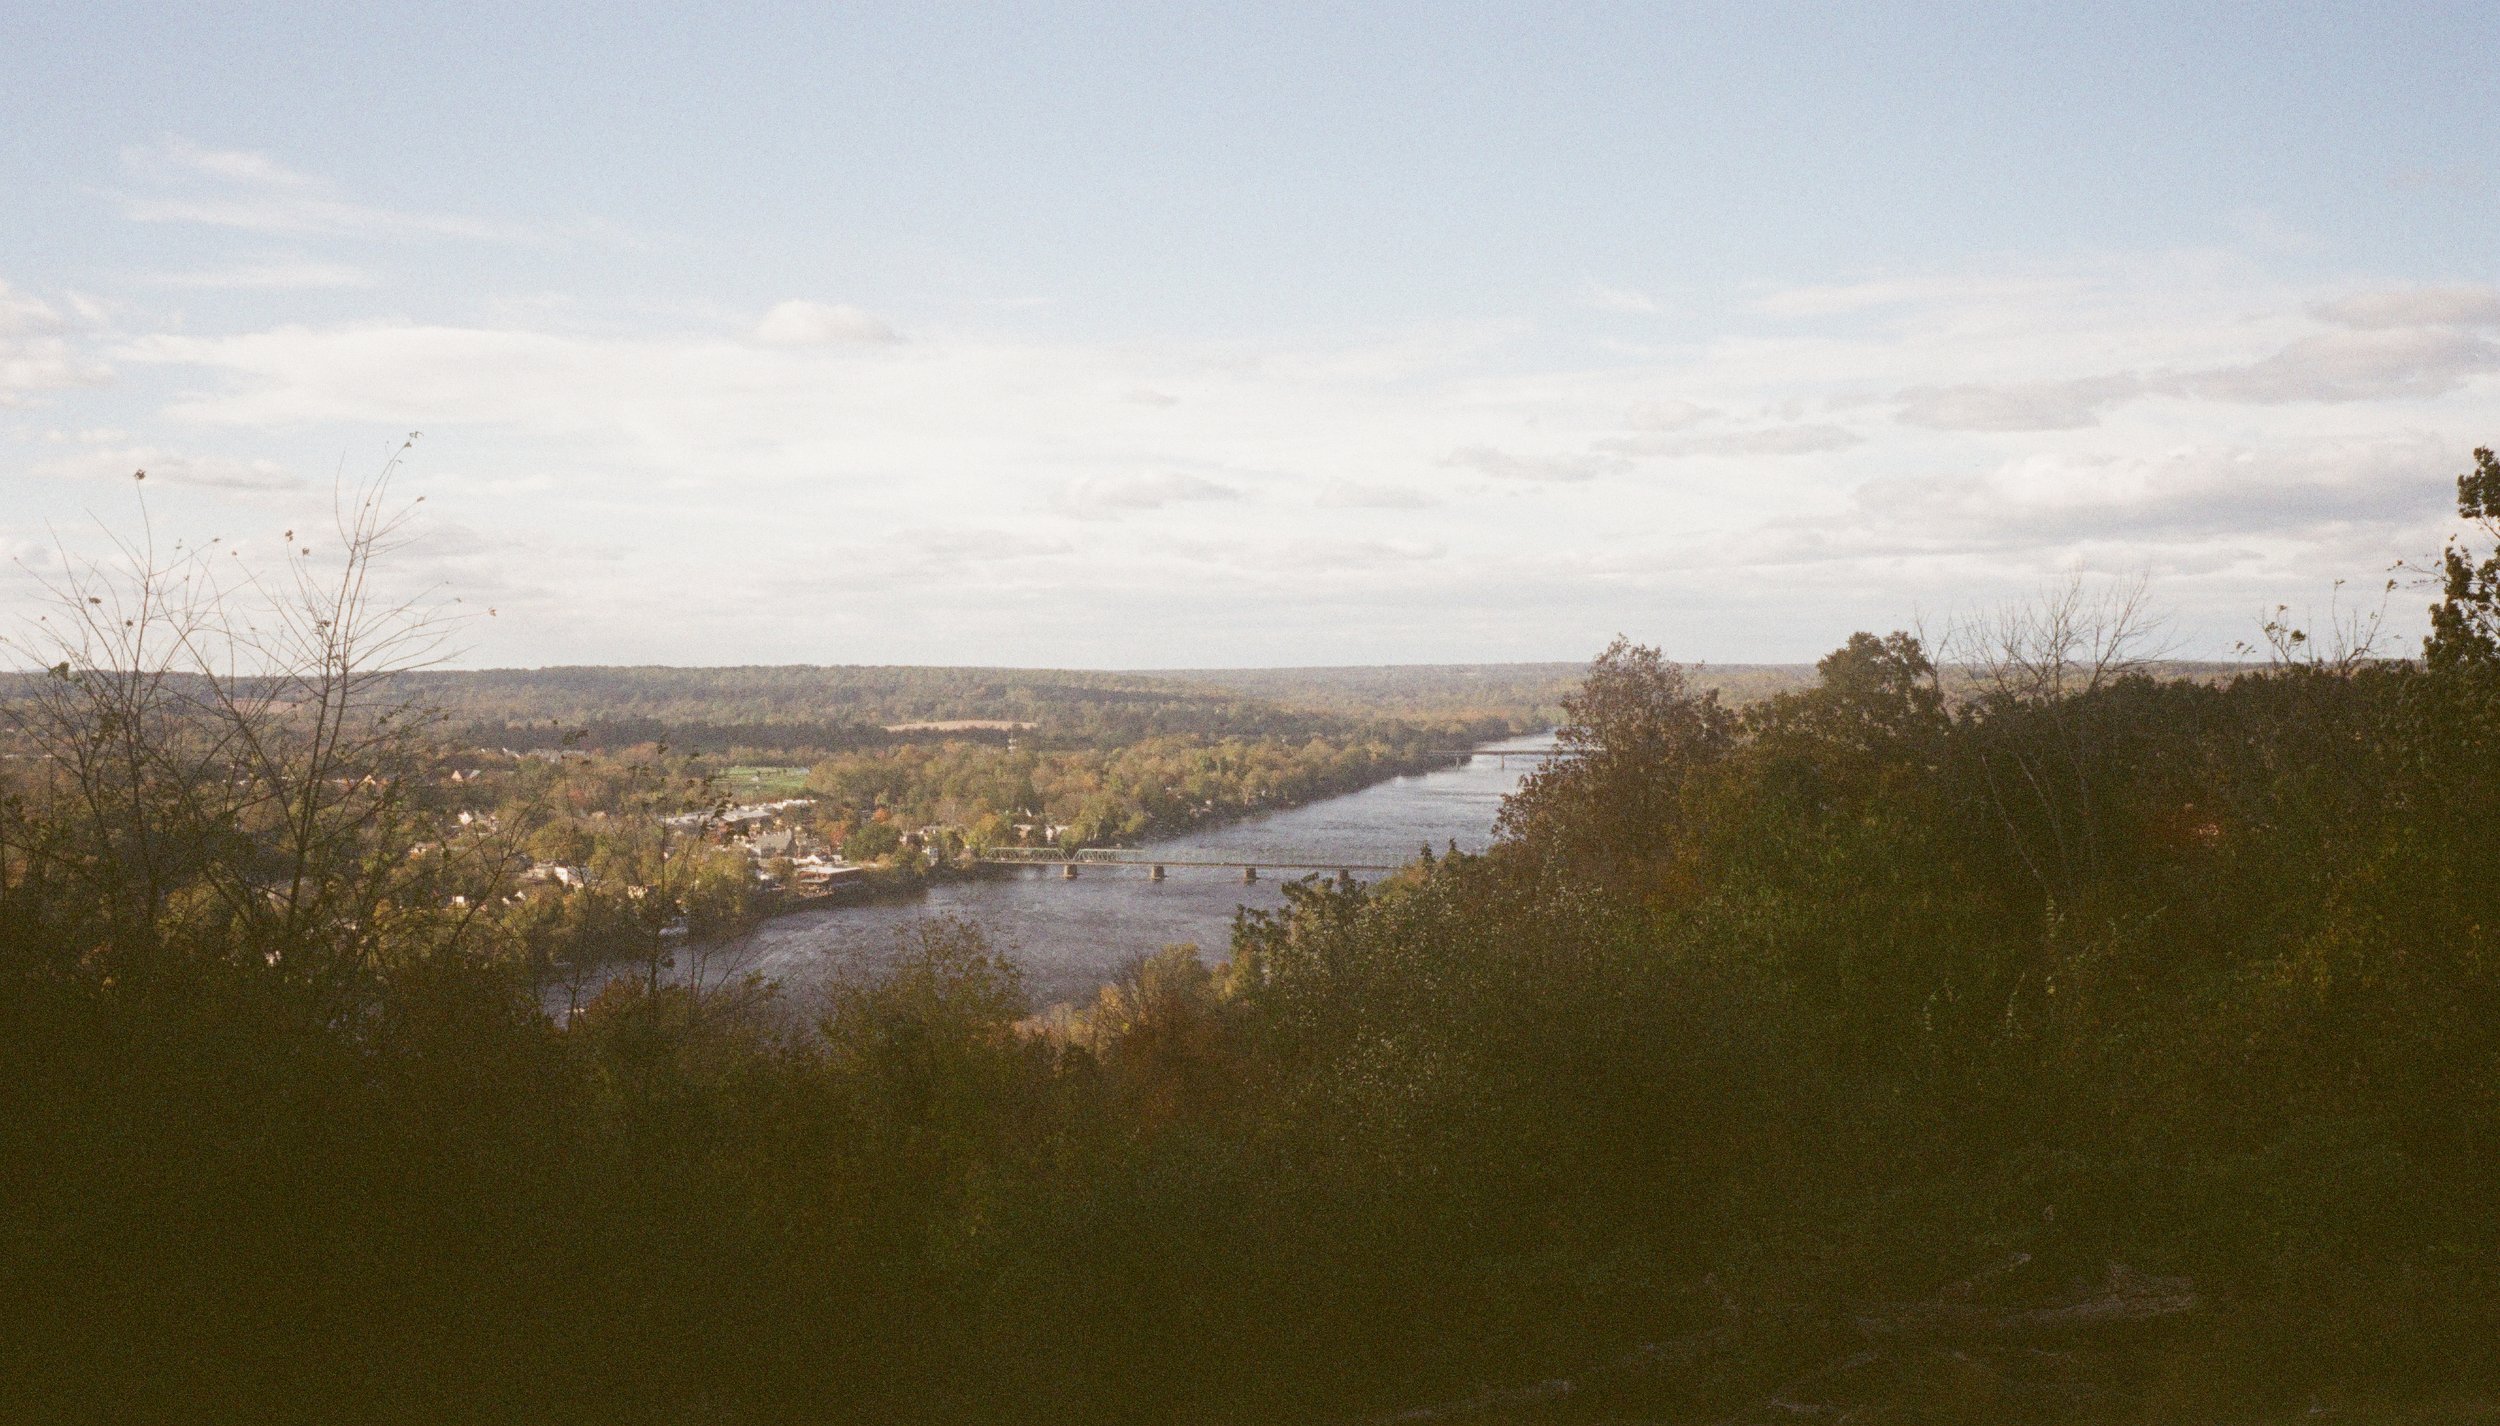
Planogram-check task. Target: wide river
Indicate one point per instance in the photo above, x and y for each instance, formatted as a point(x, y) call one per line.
point(1071, 936)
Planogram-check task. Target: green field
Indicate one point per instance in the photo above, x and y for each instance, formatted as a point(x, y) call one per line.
point(753, 780)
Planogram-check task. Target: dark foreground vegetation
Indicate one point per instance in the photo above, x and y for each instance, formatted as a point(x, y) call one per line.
point(2092, 1048)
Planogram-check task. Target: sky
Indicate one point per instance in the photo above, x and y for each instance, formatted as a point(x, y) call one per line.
point(1178, 335)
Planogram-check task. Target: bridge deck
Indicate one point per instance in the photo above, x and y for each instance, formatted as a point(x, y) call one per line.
point(1148, 863)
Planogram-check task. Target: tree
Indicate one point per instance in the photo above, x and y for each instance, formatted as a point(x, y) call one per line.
point(232, 757)
point(2465, 623)
point(2050, 742)
point(1637, 731)
point(1877, 710)
point(872, 841)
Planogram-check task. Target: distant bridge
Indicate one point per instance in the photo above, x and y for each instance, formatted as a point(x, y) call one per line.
point(1502, 755)
point(1069, 863)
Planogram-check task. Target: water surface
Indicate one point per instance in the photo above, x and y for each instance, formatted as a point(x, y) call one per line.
point(1070, 936)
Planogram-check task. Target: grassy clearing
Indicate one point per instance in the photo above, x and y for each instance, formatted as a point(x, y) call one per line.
point(753, 780)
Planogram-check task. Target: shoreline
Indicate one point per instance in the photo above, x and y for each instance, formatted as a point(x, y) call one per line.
point(886, 887)
point(894, 898)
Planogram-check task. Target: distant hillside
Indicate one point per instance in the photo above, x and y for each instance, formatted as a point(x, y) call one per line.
point(801, 710)
point(1530, 694)
point(834, 707)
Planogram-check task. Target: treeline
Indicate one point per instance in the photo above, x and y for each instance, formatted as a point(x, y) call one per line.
point(808, 711)
point(1761, 1029)
point(1103, 797)
point(1523, 696)
point(2088, 1048)
point(1752, 1029)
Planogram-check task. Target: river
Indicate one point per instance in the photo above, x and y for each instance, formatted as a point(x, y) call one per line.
point(1070, 936)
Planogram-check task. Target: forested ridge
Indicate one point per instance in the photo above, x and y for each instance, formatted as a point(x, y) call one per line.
point(2053, 1042)
point(1153, 786)
point(809, 711)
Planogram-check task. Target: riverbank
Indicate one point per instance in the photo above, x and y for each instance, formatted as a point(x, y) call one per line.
point(1068, 937)
point(1156, 786)
point(889, 884)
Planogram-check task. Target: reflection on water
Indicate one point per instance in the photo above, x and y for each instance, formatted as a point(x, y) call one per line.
point(1070, 936)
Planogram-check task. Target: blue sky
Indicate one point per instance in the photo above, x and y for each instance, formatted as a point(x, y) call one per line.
point(1197, 335)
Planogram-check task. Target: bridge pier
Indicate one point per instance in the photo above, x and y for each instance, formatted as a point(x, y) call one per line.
point(1249, 874)
point(1344, 878)
point(1155, 875)
point(1067, 871)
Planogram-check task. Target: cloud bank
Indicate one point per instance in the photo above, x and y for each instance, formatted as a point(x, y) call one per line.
point(817, 324)
point(801, 483)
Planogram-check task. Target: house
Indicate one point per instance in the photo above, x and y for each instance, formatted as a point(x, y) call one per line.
point(824, 873)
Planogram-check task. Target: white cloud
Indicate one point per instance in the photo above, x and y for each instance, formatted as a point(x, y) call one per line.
point(176, 158)
point(2185, 496)
point(111, 462)
point(1601, 298)
point(1791, 440)
point(18, 552)
point(397, 376)
point(997, 496)
point(269, 276)
point(1105, 494)
point(799, 323)
point(2019, 406)
point(2354, 366)
point(1771, 441)
point(1851, 298)
point(2395, 344)
point(1295, 557)
point(1669, 415)
point(1352, 554)
point(23, 315)
point(2468, 306)
point(254, 192)
point(967, 557)
point(1503, 465)
point(36, 354)
point(1358, 495)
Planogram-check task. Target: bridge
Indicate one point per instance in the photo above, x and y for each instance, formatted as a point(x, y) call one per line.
point(1070, 863)
point(1503, 756)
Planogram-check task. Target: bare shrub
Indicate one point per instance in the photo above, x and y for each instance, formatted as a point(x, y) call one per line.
point(223, 755)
